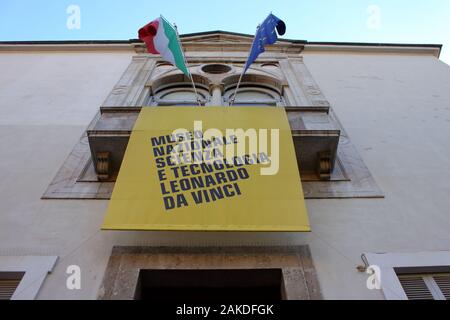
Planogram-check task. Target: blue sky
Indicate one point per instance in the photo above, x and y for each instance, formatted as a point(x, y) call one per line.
point(399, 21)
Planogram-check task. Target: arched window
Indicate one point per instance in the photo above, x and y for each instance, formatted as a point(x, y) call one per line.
point(254, 96)
point(179, 95)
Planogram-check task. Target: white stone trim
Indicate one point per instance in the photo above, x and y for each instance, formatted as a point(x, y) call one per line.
point(36, 269)
point(390, 284)
point(309, 48)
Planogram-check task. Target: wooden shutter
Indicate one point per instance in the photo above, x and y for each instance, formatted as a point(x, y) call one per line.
point(415, 287)
point(8, 284)
point(443, 282)
point(426, 286)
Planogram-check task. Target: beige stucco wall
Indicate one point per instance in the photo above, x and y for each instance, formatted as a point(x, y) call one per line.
point(396, 109)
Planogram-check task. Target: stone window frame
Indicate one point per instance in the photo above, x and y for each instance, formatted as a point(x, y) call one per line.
point(121, 276)
point(390, 263)
point(276, 101)
point(76, 178)
point(156, 99)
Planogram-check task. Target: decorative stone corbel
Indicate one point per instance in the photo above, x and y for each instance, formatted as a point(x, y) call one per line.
point(102, 167)
point(324, 165)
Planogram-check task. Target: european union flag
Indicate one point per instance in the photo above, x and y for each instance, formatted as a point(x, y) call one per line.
point(266, 34)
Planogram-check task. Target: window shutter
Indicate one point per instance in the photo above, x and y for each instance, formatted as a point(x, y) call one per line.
point(443, 282)
point(415, 287)
point(8, 287)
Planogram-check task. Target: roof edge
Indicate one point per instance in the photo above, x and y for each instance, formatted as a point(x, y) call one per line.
point(128, 44)
point(356, 44)
point(377, 44)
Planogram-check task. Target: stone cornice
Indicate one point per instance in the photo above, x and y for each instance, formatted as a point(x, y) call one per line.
point(434, 50)
point(222, 41)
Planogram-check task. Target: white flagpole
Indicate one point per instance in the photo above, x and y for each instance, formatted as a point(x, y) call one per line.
point(185, 62)
point(243, 70)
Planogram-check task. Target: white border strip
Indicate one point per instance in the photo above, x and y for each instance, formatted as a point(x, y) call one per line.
point(36, 269)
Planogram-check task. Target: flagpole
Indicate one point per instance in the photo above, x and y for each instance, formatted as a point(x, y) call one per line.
point(237, 87)
point(243, 70)
point(185, 62)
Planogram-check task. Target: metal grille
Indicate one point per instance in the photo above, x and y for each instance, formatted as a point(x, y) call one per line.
point(415, 287)
point(8, 287)
point(426, 286)
point(443, 282)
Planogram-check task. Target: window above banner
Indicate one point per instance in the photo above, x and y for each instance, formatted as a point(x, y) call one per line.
point(249, 95)
point(179, 95)
point(215, 86)
point(254, 96)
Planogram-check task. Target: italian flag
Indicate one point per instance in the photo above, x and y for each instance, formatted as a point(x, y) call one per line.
point(161, 38)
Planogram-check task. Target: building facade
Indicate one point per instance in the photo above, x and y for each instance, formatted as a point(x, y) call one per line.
point(370, 125)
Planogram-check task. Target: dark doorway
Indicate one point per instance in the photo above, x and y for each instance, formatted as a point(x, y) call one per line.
point(210, 285)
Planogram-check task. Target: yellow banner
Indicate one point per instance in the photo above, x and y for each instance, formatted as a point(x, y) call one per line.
point(223, 169)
